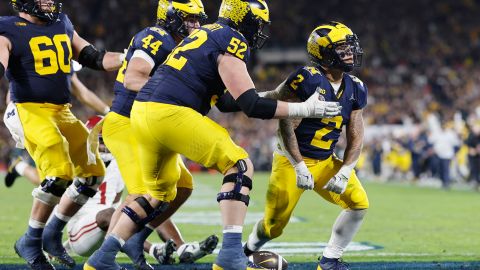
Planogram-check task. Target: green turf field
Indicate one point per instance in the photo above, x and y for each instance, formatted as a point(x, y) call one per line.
point(405, 223)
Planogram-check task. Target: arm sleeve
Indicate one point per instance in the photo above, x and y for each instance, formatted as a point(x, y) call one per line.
point(226, 103)
point(361, 92)
point(301, 83)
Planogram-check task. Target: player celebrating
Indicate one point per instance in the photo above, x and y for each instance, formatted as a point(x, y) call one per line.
point(168, 119)
point(307, 145)
point(36, 48)
point(148, 49)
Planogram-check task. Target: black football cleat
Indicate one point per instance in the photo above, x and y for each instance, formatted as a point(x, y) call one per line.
point(12, 174)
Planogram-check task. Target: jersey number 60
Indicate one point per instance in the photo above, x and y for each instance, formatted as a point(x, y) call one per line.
point(49, 61)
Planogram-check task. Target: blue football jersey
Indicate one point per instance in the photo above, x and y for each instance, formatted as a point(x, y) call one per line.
point(39, 67)
point(189, 77)
point(156, 43)
point(317, 137)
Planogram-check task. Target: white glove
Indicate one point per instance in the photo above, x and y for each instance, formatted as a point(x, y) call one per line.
point(304, 177)
point(338, 183)
point(314, 108)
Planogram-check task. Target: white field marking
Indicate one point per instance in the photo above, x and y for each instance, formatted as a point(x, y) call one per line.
point(214, 218)
point(292, 248)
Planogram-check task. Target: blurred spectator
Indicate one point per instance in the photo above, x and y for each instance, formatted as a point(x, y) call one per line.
point(444, 141)
point(473, 143)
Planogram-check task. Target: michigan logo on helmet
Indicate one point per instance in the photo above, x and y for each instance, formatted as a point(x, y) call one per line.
point(330, 43)
point(248, 17)
point(173, 14)
point(45, 10)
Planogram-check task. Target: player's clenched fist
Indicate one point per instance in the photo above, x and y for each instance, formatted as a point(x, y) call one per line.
point(304, 177)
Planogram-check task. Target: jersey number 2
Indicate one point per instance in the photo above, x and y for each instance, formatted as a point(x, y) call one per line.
point(318, 140)
point(49, 61)
point(198, 37)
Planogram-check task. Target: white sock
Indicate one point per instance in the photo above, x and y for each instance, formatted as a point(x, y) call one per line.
point(344, 229)
point(255, 242)
point(232, 229)
point(36, 224)
point(61, 216)
point(20, 167)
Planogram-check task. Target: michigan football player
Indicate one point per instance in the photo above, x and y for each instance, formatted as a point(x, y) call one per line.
point(147, 50)
point(305, 158)
point(168, 119)
point(36, 48)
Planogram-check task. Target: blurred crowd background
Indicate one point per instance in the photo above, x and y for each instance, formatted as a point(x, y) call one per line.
point(421, 66)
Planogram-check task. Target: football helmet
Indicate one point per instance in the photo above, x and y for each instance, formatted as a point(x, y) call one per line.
point(173, 14)
point(329, 43)
point(249, 17)
point(46, 10)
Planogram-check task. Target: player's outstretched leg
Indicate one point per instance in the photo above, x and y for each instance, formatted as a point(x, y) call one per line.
point(134, 249)
point(134, 216)
point(29, 247)
point(234, 200)
point(190, 252)
point(12, 173)
point(52, 241)
point(75, 196)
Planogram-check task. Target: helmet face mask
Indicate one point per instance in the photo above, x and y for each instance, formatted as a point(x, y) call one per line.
point(46, 10)
point(180, 16)
point(249, 17)
point(334, 45)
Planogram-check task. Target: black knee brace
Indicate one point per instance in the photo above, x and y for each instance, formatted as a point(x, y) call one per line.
point(50, 190)
point(240, 180)
point(151, 212)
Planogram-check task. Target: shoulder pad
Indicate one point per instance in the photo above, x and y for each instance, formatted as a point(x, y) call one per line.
point(312, 70)
point(213, 27)
point(356, 80)
point(158, 30)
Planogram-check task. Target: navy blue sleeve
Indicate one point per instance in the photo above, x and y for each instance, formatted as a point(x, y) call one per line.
point(155, 42)
point(303, 82)
point(361, 92)
point(232, 42)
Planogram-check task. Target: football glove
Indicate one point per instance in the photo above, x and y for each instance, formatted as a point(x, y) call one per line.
point(304, 177)
point(338, 183)
point(314, 108)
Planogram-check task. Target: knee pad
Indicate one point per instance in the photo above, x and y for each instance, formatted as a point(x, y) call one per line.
point(83, 188)
point(240, 179)
point(50, 190)
point(151, 212)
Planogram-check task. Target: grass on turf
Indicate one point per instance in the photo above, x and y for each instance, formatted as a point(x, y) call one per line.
point(410, 223)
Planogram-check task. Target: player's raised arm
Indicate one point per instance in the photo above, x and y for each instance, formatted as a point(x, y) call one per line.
point(5, 48)
point(234, 74)
point(89, 56)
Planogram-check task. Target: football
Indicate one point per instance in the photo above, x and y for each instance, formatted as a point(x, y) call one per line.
point(269, 260)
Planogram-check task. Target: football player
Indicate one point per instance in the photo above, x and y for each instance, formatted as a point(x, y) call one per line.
point(168, 119)
point(36, 48)
point(21, 163)
point(305, 158)
point(87, 228)
point(147, 50)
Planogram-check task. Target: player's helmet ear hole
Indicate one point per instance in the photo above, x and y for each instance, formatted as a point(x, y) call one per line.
point(46, 10)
